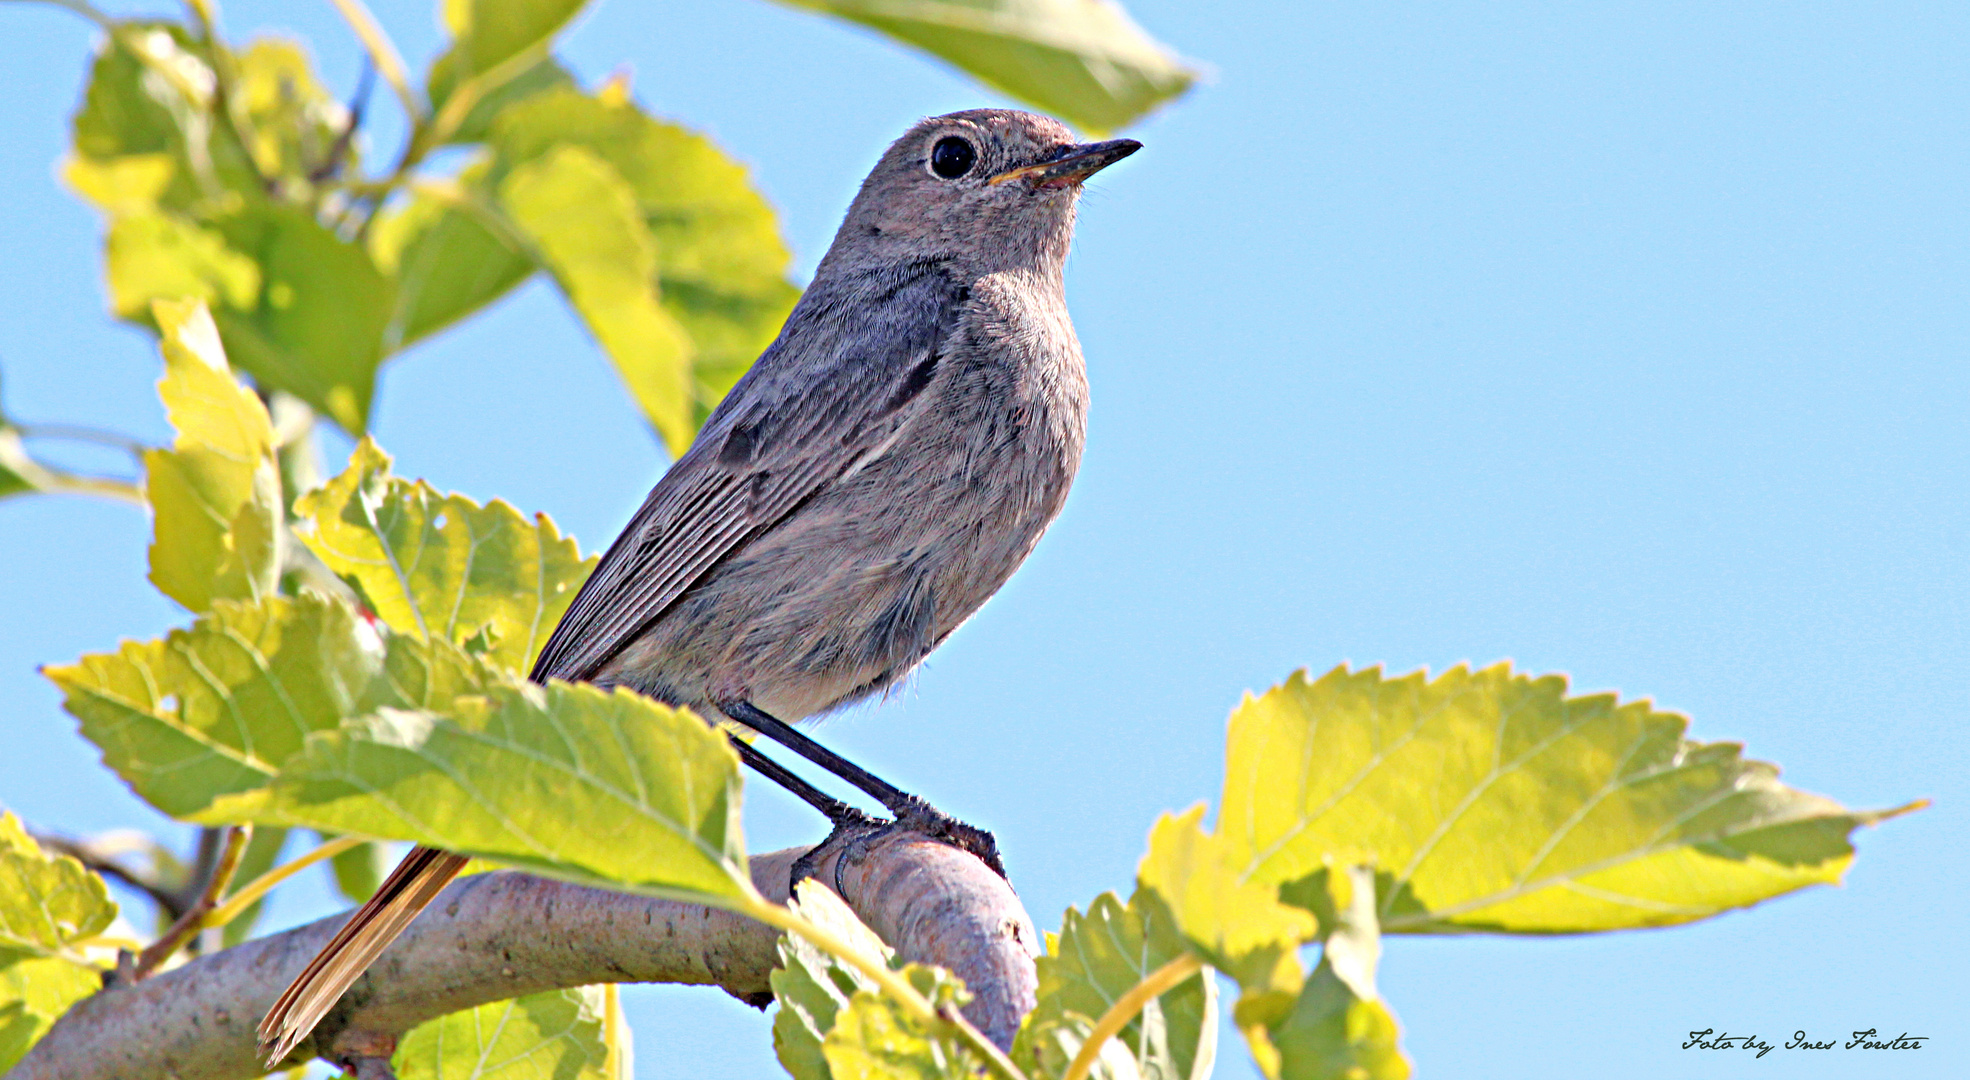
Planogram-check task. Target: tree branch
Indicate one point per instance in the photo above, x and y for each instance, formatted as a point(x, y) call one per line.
point(495, 936)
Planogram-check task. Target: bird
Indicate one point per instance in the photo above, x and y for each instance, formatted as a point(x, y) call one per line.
point(875, 476)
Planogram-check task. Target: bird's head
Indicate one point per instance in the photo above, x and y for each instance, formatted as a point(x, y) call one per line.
point(993, 187)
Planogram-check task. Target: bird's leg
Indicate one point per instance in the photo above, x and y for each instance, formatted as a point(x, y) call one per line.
point(837, 811)
point(911, 812)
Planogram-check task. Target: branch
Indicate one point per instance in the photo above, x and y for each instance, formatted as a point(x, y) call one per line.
point(495, 936)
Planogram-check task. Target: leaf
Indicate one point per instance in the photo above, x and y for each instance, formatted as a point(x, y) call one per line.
point(489, 33)
point(295, 122)
point(1331, 1033)
point(215, 494)
point(33, 995)
point(1493, 801)
point(443, 566)
point(1100, 956)
point(874, 1039)
point(523, 775)
point(316, 328)
point(812, 987)
point(720, 263)
point(359, 870)
point(199, 723)
point(584, 220)
point(48, 903)
point(137, 135)
point(1083, 60)
point(153, 256)
point(556, 1034)
point(446, 257)
point(1237, 924)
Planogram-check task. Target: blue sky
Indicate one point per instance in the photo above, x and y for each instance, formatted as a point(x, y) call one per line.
point(1627, 342)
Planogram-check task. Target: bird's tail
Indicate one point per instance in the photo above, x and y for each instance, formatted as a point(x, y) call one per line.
point(413, 884)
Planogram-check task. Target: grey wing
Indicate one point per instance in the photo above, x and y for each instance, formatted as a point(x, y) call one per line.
point(837, 384)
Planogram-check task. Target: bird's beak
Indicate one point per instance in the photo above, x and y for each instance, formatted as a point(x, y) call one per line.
point(1071, 164)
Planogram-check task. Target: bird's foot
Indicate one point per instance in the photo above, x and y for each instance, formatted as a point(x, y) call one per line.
point(919, 816)
point(851, 826)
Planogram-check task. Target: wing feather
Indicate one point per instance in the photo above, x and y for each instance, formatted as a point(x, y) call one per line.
point(829, 391)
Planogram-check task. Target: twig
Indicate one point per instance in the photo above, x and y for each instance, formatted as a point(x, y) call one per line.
point(358, 104)
point(252, 891)
point(382, 53)
point(1153, 985)
point(166, 900)
point(192, 921)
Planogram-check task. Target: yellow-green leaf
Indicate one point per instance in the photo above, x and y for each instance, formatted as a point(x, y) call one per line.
point(489, 33)
point(558, 1034)
point(199, 722)
point(442, 566)
point(1085, 61)
point(874, 1039)
point(215, 494)
point(604, 787)
point(583, 219)
point(812, 987)
point(1494, 801)
point(48, 903)
point(1238, 924)
point(295, 123)
point(1098, 957)
point(721, 265)
point(160, 256)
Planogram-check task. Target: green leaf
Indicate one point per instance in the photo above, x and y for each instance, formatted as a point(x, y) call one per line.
point(442, 566)
point(1493, 801)
point(1332, 1033)
point(215, 494)
point(358, 871)
point(199, 723)
point(1098, 957)
point(1085, 61)
point(874, 1039)
point(140, 142)
point(447, 255)
point(584, 221)
point(47, 904)
point(1237, 924)
point(17, 469)
point(720, 263)
point(812, 987)
point(557, 1034)
point(489, 33)
point(523, 774)
point(316, 329)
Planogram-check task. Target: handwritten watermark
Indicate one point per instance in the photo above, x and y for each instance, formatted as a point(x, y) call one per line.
point(1871, 1039)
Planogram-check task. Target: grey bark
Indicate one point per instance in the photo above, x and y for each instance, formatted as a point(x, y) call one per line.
point(490, 937)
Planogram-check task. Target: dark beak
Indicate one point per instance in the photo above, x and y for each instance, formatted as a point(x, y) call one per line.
point(1071, 164)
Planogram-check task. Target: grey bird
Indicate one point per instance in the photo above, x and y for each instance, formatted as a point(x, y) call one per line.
point(877, 475)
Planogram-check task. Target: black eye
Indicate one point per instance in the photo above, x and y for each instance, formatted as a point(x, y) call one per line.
point(952, 157)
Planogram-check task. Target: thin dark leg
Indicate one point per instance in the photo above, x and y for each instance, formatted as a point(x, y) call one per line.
point(752, 716)
point(836, 810)
point(911, 812)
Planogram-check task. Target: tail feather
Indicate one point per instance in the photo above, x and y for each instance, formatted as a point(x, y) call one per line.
point(415, 882)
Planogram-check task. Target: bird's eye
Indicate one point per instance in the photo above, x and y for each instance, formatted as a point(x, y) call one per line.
point(952, 157)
